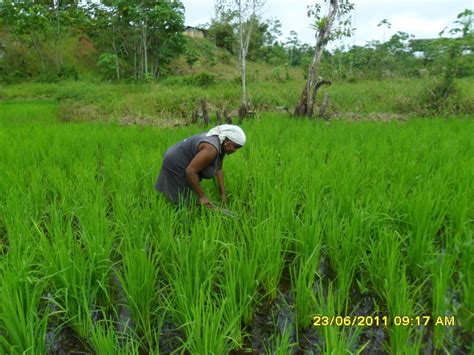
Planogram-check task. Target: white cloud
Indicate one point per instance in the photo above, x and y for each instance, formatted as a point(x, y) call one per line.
point(424, 27)
point(421, 18)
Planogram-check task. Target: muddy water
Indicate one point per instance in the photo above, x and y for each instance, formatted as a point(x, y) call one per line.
point(65, 342)
point(270, 320)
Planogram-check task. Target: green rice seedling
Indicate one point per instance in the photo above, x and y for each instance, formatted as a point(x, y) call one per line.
point(105, 340)
point(207, 332)
point(302, 280)
point(164, 230)
point(426, 219)
point(139, 279)
point(195, 266)
point(196, 256)
point(344, 249)
point(283, 344)
point(23, 316)
point(268, 252)
point(307, 239)
point(76, 280)
point(32, 111)
point(19, 237)
point(337, 340)
point(389, 279)
point(239, 286)
point(402, 302)
point(466, 287)
point(441, 276)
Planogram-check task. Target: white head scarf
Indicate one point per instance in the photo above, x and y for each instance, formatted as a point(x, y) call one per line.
point(229, 131)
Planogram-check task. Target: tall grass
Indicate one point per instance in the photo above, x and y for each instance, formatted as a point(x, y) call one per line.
point(345, 209)
point(105, 101)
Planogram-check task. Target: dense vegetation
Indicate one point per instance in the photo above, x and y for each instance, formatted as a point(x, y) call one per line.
point(50, 41)
point(382, 211)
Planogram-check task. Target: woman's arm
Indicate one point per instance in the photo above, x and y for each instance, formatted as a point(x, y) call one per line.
point(220, 184)
point(205, 155)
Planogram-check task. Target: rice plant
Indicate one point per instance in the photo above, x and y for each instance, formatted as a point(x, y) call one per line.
point(331, 214)
point(23, 314)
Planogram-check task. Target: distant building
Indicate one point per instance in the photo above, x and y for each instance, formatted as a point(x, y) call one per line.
point(194, 32)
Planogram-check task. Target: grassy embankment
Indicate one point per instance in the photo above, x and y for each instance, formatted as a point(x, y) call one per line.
point(175, 98)
point(368, 218)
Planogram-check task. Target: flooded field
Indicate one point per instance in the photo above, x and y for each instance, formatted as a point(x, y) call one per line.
point(337, 225)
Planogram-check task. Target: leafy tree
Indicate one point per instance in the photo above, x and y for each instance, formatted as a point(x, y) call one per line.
point(275, 54)
point(166, 24)
point(262, 38)
point(28, 21)
point(293, 45)
point(103, 24)
point(222, 30)
point(147, 35)
point(191, 57)
point(438, 97)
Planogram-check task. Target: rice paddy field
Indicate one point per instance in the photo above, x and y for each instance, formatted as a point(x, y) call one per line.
point(350, 237)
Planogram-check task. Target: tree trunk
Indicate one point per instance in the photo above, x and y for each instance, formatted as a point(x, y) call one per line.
point(194, 117)
point(156, 68)
point(145, 49)
point(244, 46)
point(117, 68)
point(306, 102)
point(320, 82)
point(38, 52)
point(135, 66)
point(227, 116)
point(322, 109)
point(141, 60)
point(243, 108)
point(57, 42)
point(205, 113)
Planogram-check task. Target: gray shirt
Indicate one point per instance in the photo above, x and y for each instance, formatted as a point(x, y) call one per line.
point(172, 178)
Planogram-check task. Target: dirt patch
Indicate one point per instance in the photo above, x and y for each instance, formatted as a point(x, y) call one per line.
point(372, 116)
point(352, 116)
point(161, 122)
point(70, 111)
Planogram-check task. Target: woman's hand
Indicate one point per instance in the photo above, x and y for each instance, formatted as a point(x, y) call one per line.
point(205, 202)
point(224, 198)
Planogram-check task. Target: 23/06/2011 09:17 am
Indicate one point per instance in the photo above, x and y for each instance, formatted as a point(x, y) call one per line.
point(369, 321)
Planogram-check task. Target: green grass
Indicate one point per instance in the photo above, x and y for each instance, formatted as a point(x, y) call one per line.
point(385, 206)
point(85, 101)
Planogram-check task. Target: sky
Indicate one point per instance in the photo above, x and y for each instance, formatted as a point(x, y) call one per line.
point(421, 18)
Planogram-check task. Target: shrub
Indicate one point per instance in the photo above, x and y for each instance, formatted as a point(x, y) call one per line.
point(107, 65)
point(202, 79)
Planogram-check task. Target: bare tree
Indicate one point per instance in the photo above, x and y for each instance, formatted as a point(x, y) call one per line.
point(246, 12)
point(325, 31)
